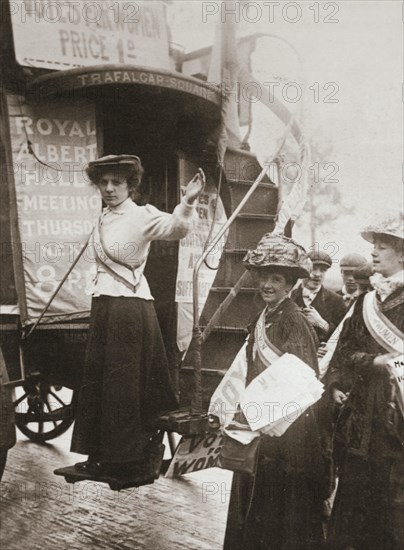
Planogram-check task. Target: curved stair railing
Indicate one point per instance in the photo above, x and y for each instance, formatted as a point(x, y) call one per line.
point(199, 336)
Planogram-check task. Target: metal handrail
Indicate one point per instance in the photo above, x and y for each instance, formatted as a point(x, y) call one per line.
point(217, 238)
point(196, 342)
point(197, 337)
point(231, 220)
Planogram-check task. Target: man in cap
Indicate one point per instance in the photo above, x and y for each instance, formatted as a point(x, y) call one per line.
point(323, 308)
point(348, 264)
point(362, 278)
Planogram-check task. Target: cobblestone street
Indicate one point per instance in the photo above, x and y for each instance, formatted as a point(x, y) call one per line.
point(40, 510)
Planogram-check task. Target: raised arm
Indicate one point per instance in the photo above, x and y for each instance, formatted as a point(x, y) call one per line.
point(175, 226)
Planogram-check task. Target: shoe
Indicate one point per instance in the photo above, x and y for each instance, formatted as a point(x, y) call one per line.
point(89, 467)
point(114, 469)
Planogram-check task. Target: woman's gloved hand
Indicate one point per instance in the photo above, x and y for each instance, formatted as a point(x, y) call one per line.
point(195, 187)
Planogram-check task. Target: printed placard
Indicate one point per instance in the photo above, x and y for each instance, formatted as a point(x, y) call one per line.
point(195, 453)
point(60, 34)
point(56, 206)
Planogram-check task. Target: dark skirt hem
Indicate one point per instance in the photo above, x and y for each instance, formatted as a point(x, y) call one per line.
point(126, 382)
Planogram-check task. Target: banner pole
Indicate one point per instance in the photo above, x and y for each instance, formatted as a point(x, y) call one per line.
point(45, 309)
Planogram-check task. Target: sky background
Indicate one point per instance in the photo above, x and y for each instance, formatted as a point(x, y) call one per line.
point(362, 54)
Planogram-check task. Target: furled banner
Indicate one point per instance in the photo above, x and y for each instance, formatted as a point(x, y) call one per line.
point(54, 204)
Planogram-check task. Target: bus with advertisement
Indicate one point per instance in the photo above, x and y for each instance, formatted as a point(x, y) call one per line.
point(80, 80)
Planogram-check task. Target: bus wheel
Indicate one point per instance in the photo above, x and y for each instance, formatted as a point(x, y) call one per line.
point(43, 411)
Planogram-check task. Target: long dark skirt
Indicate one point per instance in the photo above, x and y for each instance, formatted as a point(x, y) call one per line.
point(369, 506)
point(281, 509)
point(126, 382)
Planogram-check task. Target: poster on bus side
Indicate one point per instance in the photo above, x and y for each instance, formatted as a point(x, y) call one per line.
point(54, 203)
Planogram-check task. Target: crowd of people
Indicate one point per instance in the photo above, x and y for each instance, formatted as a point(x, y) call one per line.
point(340, 465)
point(341, 462)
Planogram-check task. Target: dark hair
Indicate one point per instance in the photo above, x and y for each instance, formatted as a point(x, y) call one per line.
point(131, 172)
point(289, 273)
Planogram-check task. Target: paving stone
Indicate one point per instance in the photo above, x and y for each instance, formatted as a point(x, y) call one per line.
point(39, 511)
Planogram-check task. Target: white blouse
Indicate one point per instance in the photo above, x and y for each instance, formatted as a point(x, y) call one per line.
point(127, 231)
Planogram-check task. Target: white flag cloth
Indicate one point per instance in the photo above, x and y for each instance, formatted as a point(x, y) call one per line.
point(293, 204)
point(227, 396)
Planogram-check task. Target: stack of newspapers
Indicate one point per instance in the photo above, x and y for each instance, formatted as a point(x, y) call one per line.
point(277, 398)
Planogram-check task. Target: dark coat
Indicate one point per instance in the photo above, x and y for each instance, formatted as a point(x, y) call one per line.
point(369, 507)
point(347, 301)
point(330, 306)
point(281, 509)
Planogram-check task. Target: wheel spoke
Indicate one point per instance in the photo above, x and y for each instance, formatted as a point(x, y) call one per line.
point(30, 409)
point(38, 401)
point(53, 394)
point(18, 401)
point(49, 409)
point(46, 402)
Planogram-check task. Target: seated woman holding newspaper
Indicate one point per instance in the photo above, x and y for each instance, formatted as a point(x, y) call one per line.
point(126, 383)
point(368, 363)
point(279, 506)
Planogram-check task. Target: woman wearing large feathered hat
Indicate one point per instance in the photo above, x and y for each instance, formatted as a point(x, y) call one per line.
point(280, 506)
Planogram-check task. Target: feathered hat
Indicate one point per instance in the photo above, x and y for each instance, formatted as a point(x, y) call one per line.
point(274, 250)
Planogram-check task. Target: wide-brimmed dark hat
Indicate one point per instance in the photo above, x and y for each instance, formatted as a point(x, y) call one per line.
point(109, 161)
point(278, 251)
point(392, 226)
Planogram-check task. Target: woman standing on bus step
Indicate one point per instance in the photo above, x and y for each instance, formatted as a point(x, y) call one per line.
point(126, 383)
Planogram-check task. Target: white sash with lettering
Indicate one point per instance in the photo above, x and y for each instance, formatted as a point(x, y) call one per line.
point(267, 352)
point(391, 339)
point(226, 398)
point(380, 327)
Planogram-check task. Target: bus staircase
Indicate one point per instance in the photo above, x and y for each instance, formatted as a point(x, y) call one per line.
point(233, 301)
